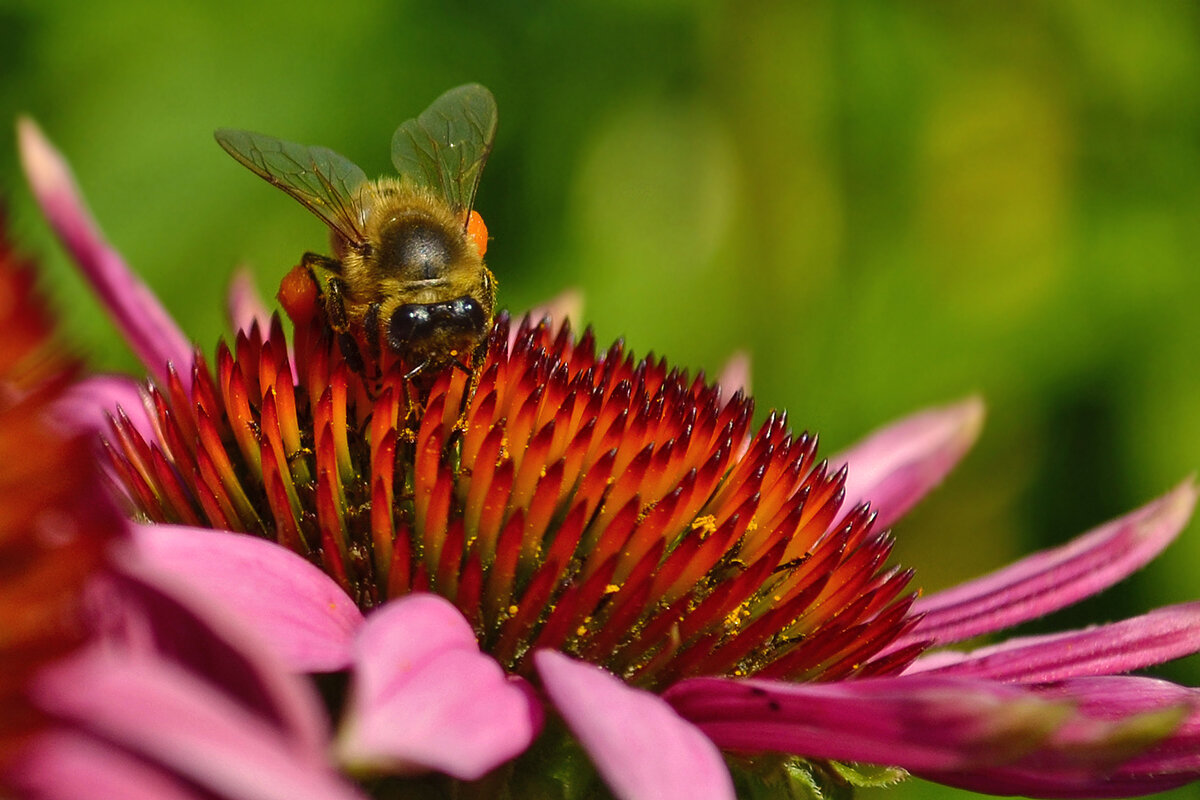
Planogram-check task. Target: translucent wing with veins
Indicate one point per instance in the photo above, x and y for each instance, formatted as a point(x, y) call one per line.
point(326, 183)
point(446, 147)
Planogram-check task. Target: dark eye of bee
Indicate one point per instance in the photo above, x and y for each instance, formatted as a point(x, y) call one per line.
point(416, 248)
point(413, 322)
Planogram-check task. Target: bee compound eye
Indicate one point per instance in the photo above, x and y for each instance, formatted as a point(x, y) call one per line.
point(468, 311)
point(408, 323)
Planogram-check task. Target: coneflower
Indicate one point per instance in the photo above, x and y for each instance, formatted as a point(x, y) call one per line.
point(573, 551)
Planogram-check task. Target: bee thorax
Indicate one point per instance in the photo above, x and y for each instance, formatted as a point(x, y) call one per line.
point(416, 249)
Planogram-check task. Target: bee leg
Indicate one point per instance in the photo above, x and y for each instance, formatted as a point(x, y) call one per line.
point(351, 353)
point(371, 332)
point(335, 305)
point(477, 358)
point(339, 321)
point(326, 263)
point(417, 370)
point(414, 391)
point(478, 354)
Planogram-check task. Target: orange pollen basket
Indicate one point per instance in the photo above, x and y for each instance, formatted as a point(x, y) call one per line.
point(560, 497)
point(478, 232)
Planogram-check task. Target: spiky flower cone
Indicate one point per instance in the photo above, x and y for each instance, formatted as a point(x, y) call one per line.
point(562, 498)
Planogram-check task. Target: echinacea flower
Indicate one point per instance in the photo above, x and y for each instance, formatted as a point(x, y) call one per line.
point(576, 570)
point(112, 683)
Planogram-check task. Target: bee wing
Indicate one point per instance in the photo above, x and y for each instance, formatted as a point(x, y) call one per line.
point(445, 148)
point(326, 183)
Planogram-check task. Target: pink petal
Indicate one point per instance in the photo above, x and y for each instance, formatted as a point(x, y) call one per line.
point(67, 765)
point(735, 375)
point(146, 614)
point(1154, 638)
point(567, 305)
point(893, 468)
point(1128, 711)
point(146, 325)
point(87, 405)
point(1053, 579)
point(296, 608)
point(987, 735)
point(168, 716)
point(915, 723)
point(425, 698)
point(244, 304)
point(640, 746)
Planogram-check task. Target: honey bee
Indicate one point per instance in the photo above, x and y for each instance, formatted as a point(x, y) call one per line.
point(407, 266)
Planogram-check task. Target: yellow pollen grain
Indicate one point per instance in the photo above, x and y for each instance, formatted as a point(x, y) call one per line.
point(733, 620)
point(581, 630)
point(612, 588)
point(752, 525)
point(707, 525)
point(512, 610)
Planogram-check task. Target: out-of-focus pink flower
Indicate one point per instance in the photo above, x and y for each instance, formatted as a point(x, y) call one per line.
point(112, 684)
point(605, 542)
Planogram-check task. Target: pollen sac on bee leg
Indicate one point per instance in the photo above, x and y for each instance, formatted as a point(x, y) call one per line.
point(415, 322)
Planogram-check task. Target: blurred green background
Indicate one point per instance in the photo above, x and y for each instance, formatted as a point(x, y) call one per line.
point(888, 206)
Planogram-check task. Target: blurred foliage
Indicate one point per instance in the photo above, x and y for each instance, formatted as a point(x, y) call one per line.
point(888, 205)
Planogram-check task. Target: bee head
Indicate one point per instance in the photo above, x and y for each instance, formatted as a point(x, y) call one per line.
point(420, 322)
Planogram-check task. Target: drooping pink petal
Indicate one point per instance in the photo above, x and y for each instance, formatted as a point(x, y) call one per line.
point(894, 467)
point(1118, 703)
point(168, 716)
point(67, 765)
point(87, 405)
point(956, 731)
point(735, 375)
point(1055, 578)
point(640, 746)
point(146, 613)
point(1162, 635)
point(146, 325)
point(244, 304)
point(425, 698)
point(298, 610)
point(915, 723)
